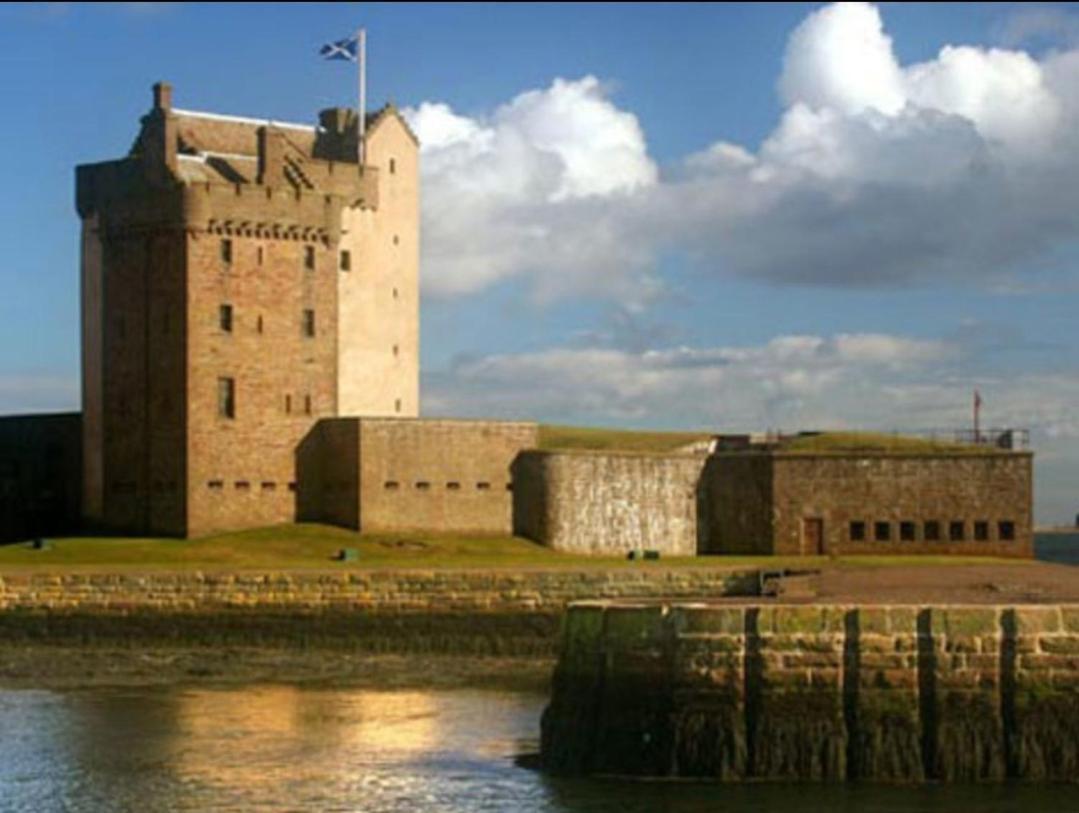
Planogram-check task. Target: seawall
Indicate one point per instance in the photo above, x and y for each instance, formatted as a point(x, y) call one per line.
point(811, 692)
point(431, 611)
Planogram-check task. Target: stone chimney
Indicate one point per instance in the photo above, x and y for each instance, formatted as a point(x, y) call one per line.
point(163, 96)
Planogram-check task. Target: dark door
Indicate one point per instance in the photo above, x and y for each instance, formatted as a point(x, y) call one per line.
point(812, 536)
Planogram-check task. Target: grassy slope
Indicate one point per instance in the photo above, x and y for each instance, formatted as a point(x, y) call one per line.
point(877, 442)
point(309, 546)
point(622, 440)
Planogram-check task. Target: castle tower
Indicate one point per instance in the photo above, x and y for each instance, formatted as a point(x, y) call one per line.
point(241, 279)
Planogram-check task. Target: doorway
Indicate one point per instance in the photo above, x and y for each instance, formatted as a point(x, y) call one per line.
point(812, 536)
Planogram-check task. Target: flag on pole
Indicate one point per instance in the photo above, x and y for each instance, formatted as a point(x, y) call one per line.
point(346, 49)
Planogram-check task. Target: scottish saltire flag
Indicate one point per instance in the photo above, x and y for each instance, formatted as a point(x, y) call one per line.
point(342, 49)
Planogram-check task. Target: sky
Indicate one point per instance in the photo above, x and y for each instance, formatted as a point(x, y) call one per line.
point(720, 217)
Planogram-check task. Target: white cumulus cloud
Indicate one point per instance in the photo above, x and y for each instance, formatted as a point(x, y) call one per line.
point(963, 167)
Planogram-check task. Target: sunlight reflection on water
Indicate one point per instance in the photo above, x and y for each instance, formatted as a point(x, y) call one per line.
point(262, 748)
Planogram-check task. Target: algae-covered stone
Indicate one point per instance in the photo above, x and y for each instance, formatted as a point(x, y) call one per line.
point(633, 626)
point(700, 619)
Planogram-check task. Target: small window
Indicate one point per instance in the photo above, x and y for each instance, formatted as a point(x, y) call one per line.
point(226, 251)
point(391, 485)
point(1006, 530)
point(309, 258)
point(215, 485)
point(260, 255)
point(243, 485)
point(396, 239)
point(393, 167)
point(906, 531)
point(453, 486)
point(931, 531)
point(857, 532)
point(981, 531)
point(292, 486)
point(226, 397)
point(269, 485)
point(882, 531)
point(288, 404)
point(397, 405)
point(309, 323)
point(396, 350)
point(395, 294)
point(307, 405)
point(258, 324)
point(423, 485)
point(224, 317)
point(509, 487)
point(956, 531)
point(346, 260)
point(481, 486)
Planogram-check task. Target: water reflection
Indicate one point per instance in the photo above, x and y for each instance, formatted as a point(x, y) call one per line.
point(263, 748)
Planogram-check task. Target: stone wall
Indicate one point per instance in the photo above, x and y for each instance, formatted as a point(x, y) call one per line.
point(737, 504)
point(452, 612)
point(439, 475)
point(783, 503)
point(40, 475)
point(607, 502)
point(908, 493)
point(896, 694)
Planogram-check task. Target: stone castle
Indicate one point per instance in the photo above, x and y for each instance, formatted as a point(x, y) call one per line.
point(250, 356)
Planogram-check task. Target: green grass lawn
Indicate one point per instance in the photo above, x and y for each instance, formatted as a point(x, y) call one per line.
point(571, 438)
point(844, 442)
point(311, 546)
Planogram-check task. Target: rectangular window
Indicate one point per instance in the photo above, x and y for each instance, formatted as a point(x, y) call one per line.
point(226, 251)
point(307, 404)
point(346, 260)
point(268, 485)
point(423, 485)
point(309, 323)
point(481, 486)
point(309, 258)
point(453, 486)
point(1006, 530)
point(224, 317)
point(981, 531)
point(392, 485)
point(882, 531)
point(288, 404)
point(932, 531)
point(243, 485)
point(215, 485)
point(226, 397)
point(857, 532)
point(260, 255)
point(906, 531)
point(956, 531)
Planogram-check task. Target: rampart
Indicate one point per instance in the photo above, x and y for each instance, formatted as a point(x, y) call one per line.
point(398, 474)
point(608, 502)
point(977, 503)
point(823, 693)
point(40, 474)
point(443, 611)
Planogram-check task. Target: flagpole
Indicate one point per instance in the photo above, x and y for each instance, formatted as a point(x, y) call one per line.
point(361, 58)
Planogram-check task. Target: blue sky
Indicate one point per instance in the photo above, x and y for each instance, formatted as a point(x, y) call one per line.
point(722, 216)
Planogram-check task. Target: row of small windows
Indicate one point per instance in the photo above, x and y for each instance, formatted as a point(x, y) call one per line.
point(226, 400)
point(452, 485)
point(344, 262)
point(931, 531)
point(245, 485)
point(225, 321)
